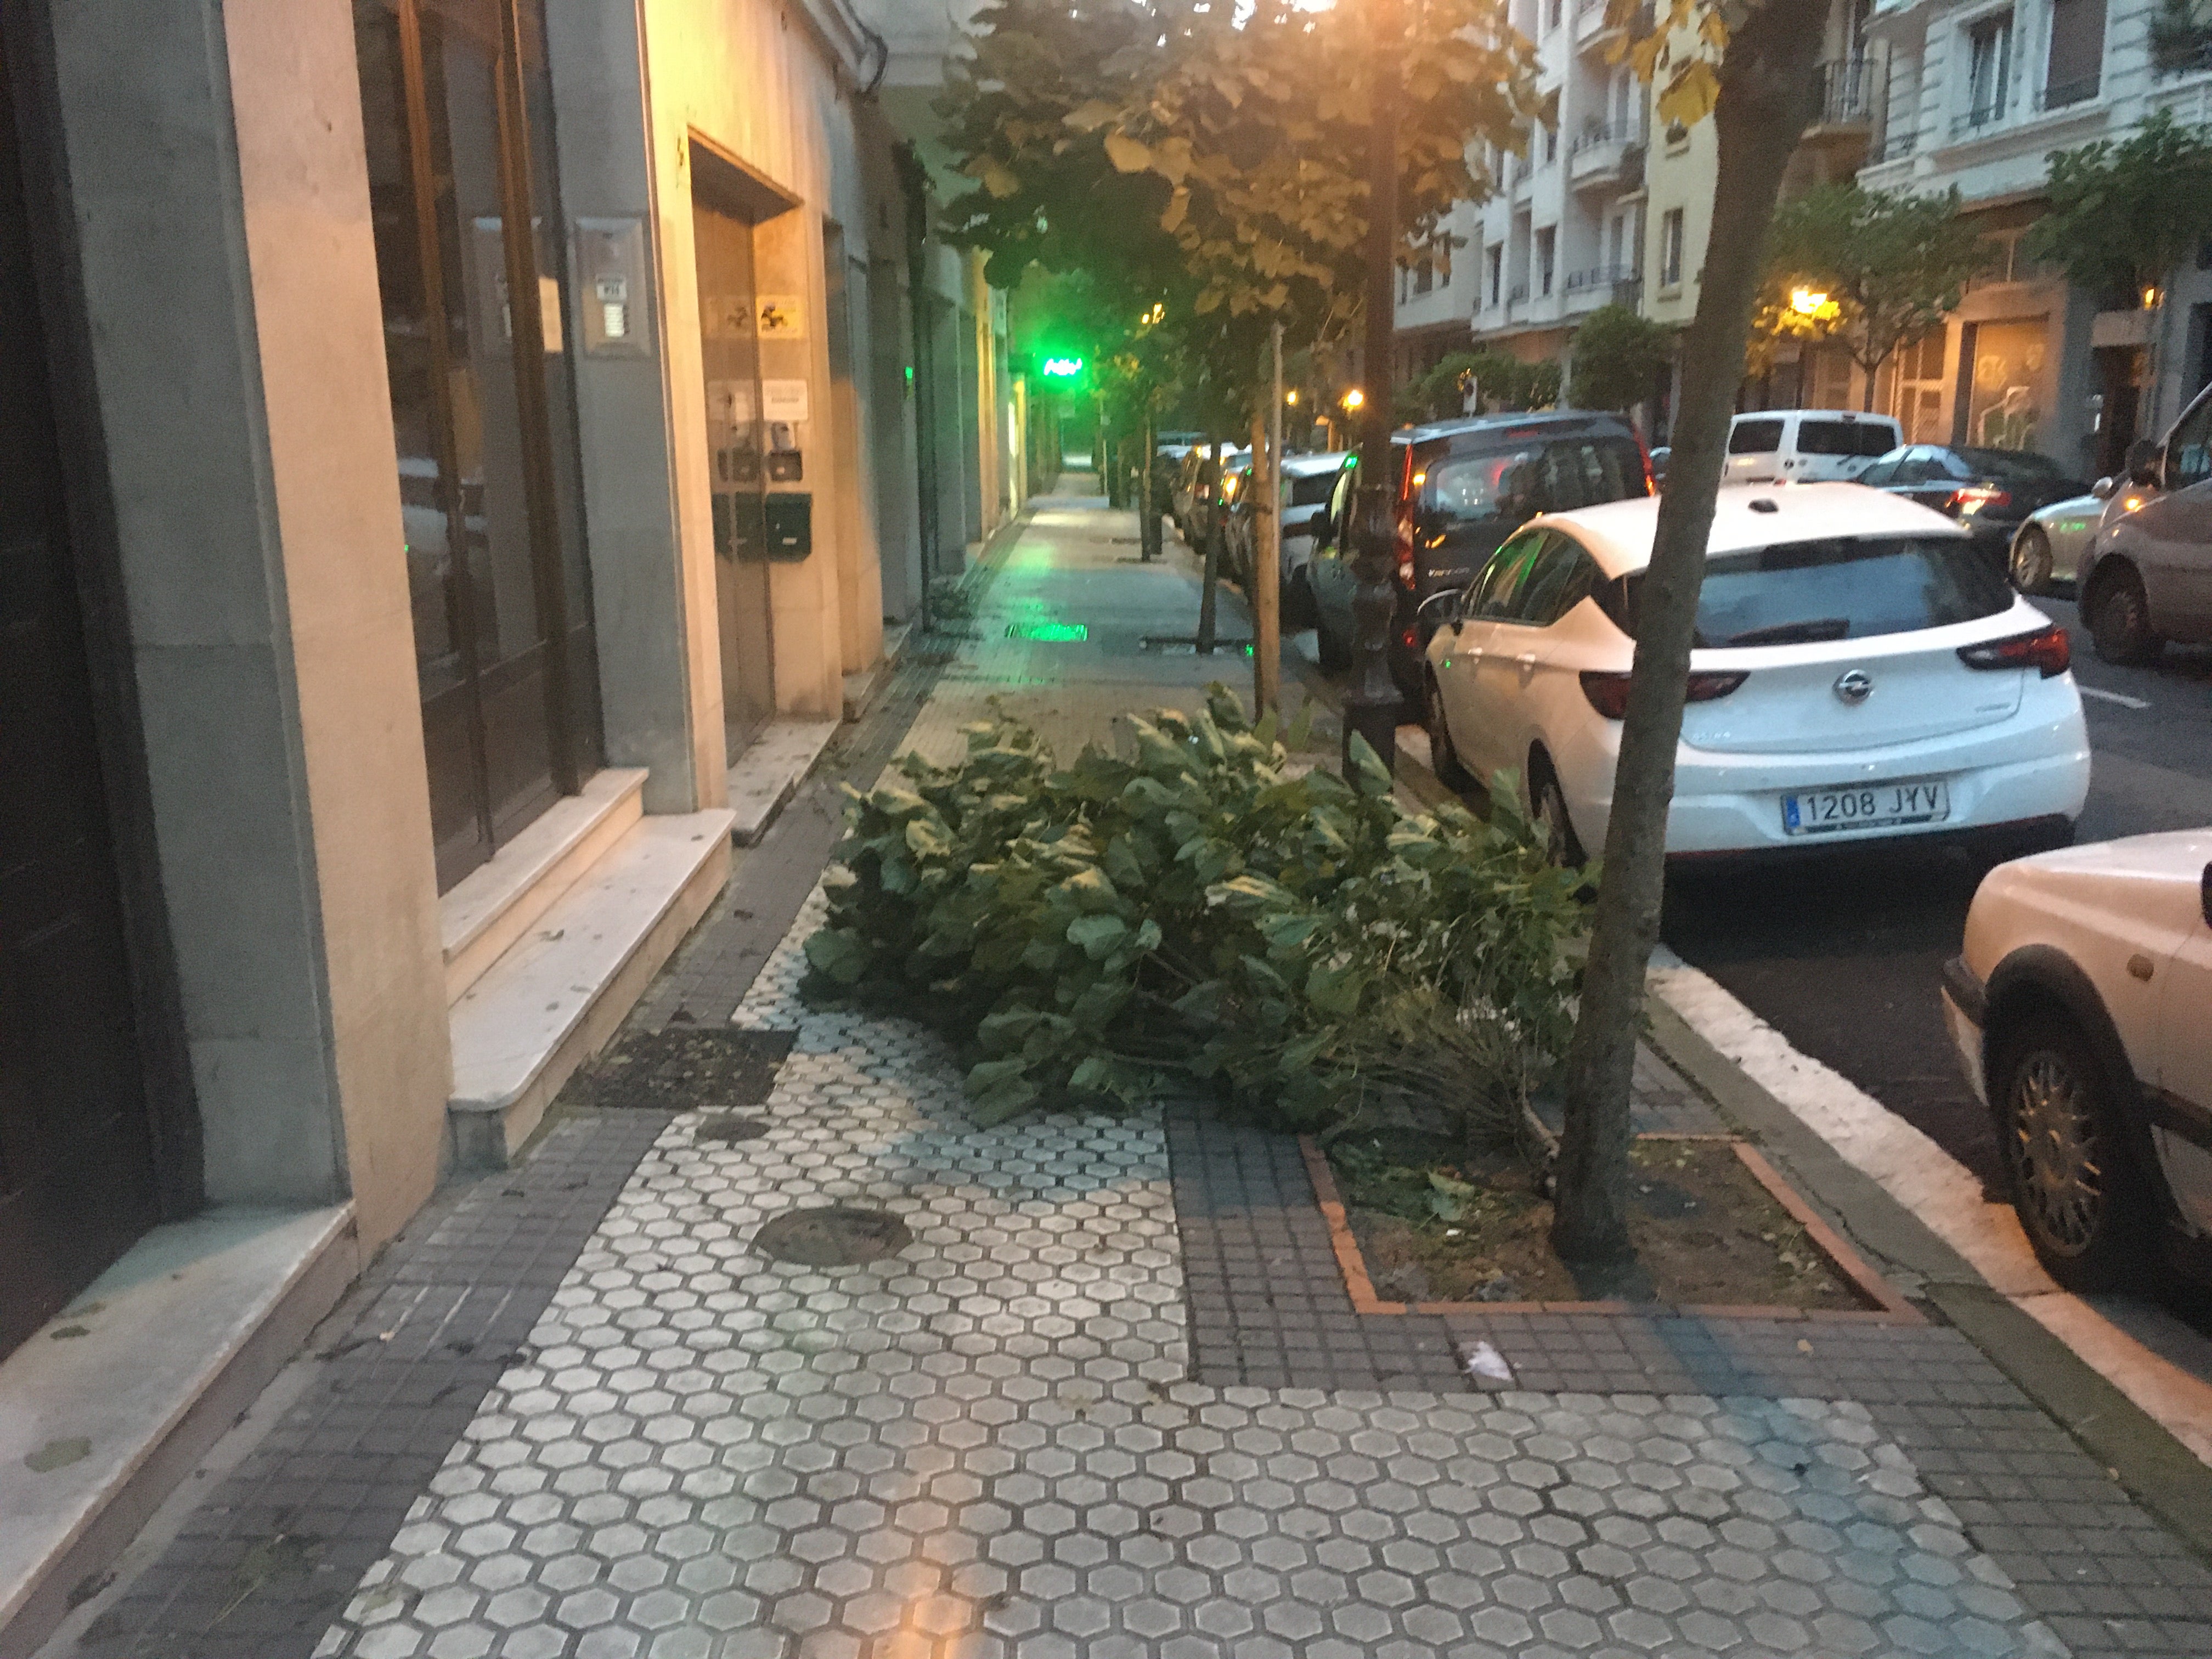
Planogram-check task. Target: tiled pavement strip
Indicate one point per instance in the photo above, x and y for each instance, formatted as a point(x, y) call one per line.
point(1072, 1422)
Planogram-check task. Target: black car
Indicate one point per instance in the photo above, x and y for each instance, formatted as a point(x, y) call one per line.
point(1462, 488)
point(1990, 491)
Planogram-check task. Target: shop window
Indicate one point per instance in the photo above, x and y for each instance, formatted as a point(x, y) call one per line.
point(2005, 391)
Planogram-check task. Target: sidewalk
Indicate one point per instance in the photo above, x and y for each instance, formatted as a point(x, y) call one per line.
point(1112, 1399)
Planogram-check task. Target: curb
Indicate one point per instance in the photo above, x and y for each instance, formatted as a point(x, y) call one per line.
point(2156, 1469)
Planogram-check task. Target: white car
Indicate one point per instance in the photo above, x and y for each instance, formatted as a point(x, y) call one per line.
point(1861, 673)
point(1806, 445)
point(2082, 1010)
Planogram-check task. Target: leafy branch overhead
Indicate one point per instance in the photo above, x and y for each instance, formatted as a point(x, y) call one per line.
point(1219, 155)
point(1192, 914)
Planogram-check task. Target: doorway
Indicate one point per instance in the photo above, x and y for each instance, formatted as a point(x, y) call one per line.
point(77, 1181)
point(729, 348)
point(456, 110)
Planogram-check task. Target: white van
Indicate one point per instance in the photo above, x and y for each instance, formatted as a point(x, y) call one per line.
point(1806, 445)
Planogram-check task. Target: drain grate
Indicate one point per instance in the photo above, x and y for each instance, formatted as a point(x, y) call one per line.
point(684, 1068)
point(832, 1235)
point(728, 1128)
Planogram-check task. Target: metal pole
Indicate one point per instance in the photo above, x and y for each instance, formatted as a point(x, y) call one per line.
point(1266, 580)
point(1371, 711)
point(1148, 519)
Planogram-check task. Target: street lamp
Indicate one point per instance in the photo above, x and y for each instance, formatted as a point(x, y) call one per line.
point(1808, 302)
point(1291, 397)
point(1355, 400)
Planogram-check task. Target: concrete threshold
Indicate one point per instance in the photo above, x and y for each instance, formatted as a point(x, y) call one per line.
point(770, 772)
point(108, 1407)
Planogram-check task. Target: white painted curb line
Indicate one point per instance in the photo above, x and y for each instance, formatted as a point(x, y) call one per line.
point(2114, 1336)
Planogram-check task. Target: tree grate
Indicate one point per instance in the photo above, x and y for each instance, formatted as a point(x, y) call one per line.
point(683, 1068)
point(832, 1235)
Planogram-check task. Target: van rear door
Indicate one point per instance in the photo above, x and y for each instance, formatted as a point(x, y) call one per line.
point(1754, 449)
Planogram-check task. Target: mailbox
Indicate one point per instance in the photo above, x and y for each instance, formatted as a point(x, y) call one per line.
point(790, 517)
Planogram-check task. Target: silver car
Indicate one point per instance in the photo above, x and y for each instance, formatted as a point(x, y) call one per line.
point(2146, 577)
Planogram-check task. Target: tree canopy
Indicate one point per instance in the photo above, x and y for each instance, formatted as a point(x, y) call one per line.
point(2123, 213)
point(1870, 269)
point(1618, 356)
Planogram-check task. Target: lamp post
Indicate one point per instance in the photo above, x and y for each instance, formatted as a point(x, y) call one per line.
point(1370, 709)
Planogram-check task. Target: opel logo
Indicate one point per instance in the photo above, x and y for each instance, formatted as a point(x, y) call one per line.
point(1854, 686)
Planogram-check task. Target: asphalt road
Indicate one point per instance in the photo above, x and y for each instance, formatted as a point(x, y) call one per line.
point(1845, 957)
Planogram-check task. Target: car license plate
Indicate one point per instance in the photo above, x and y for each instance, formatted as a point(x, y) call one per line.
point(1870, 806)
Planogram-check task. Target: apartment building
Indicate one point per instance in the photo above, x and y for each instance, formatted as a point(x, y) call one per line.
point(1979, 93)
point(1565, 232)
point(438, 438)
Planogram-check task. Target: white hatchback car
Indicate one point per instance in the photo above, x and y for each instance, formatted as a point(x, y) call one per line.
point(1859, 672)
point(2081, 1006)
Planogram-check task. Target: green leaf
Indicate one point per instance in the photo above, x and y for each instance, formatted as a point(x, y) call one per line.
point(1097, 935)
point(838, 953)
point(1369, 776)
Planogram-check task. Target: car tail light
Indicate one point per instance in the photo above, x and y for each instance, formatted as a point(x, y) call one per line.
point(2045, 650)
point(1972, 499)
point(1410, 640)
point(1608, 693)
point(1405, 541)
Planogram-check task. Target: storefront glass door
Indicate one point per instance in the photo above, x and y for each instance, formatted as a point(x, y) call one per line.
point(457, 119)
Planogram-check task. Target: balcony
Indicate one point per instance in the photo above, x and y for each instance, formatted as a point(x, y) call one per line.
point(1592, 30)
point(1606, 159)
point(1600, 285)
point(1844, 120)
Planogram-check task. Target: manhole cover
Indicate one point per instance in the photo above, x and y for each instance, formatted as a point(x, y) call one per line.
point(682, 1069)
point(832, 1235)
point(728, 1128)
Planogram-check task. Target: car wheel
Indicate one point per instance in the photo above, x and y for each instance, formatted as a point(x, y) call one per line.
point(2072, 1181)
point(2032, 561)
point(1547, 806)
point(1443, 754)
point(2119, 618)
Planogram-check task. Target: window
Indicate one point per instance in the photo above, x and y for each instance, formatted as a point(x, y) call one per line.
point(1497, 591)
point(2077, 52)
point(1670, 248)
point(1588, 471)
point(1835, 588)
point(1498, 273)
point(1988, 69)
point(1546, 243)
point(1561, 579)
point(1311, 488)
point(1477, 484)
point(1846, 438)
point(1880, 474)
point(1754, 437)
point(1425, 276)
point(2188, 455)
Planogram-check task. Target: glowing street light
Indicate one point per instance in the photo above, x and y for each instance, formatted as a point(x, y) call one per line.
point(1355, 398)
point(1291, 397)
point(1808, 302)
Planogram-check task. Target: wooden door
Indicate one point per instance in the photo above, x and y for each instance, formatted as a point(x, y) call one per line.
point(76, 1173)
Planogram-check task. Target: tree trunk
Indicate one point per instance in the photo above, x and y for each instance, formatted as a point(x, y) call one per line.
point(1267, 555)
point(1767, 97)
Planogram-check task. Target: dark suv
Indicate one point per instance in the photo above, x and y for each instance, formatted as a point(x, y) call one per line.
point(1462, 488)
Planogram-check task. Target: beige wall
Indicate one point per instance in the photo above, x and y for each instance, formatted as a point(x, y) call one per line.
point(754, 82)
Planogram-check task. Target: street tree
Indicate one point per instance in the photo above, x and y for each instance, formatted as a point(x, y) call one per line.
point(1748, 65)
point(1869, 269)
point(2125, 213)
point(1213, 159)
point(1619, 357)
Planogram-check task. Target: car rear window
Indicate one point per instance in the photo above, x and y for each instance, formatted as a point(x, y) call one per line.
point(2013, 465)
point(1754, 437)
point(1512, 476)
point(1312, 490)
point(1488, 481)
point(1835, 588)
point(1846, 438)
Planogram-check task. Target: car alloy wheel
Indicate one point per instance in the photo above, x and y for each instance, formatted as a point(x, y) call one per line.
point(2031, 561)
point(1561, 844)
point(1443, 754)
point(2072, 1182)
point(2119, 620)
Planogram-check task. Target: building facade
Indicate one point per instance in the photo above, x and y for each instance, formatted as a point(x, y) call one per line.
point(441, 438)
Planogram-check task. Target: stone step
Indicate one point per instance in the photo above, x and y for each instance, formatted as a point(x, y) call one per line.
point(560, 991)
point(494, 904)
point(770, 770)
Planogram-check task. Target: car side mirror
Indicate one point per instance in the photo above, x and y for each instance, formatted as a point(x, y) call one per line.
point(2105, 488)
point(1436, 611)
point(2146, 463)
